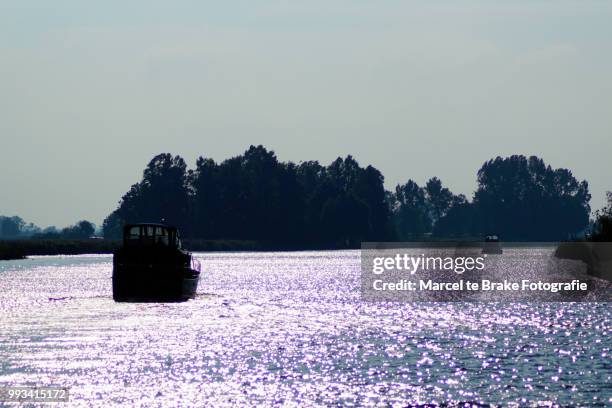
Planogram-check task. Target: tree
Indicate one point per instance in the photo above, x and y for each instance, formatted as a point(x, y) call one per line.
point(602, 230)
point(361, 191)
point(317, 189)
point(50, 232)
point(411, 211)
point(252, 196)
point(264, 198)
point(112, 225)
point(11, 227)
point(30, 229)
point(345, 220)
point(81, 230)
point(439, 199)
point(162, 194)
point(461, 220)
point(523, 199)
point(86, 228)
point(369, 187)
point(206, 190)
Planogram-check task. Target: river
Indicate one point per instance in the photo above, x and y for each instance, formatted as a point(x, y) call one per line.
point(290, 329)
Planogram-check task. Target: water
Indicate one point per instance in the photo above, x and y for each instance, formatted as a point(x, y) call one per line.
point(290, 329)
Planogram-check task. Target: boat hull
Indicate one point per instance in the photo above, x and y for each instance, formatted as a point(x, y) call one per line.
point(136, 284)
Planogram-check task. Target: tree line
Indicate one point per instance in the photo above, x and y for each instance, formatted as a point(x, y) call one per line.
point(16, 228)
point(254, 196)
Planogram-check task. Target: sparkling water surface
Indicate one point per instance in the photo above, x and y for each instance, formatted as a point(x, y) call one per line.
point(290, 329)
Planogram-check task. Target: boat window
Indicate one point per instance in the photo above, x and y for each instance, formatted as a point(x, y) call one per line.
point(134, 233)
point(146, 235)
point(161, 236)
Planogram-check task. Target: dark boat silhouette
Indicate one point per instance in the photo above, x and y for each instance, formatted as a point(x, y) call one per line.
point(492, 245)
point(151, 266)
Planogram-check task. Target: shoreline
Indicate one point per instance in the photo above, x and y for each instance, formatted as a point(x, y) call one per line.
point(22, 248)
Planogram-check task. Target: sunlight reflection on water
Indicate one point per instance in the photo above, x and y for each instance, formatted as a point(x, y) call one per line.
point(290, 328)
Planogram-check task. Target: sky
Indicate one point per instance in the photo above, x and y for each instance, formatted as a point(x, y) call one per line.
point(91, 91)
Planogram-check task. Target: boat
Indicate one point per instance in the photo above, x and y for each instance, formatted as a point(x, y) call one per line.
point(151, 266)
point(492, 245)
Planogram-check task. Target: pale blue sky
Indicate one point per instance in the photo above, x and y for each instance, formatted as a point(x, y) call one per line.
point(90, 92)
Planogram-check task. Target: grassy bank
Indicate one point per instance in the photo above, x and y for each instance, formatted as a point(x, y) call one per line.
point(19, 249)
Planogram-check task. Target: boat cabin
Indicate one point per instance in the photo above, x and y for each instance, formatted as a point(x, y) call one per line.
point(151, 235)
point(151, 266)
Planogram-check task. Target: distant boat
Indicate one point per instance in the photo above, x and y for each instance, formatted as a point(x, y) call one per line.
point(151, 266)
point(492, 245)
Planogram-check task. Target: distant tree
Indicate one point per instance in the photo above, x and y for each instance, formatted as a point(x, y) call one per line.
point(291, 205)
point(270, 196)
point(429, 209)
point(162, 194)
point(81, 230)
point(523, 199)
point(206, 189)
point(11, 227)
point(317, 189)
point(251, 196)
point(129, 210)
point(411, 211)
point(30, 229)
point(48, 233)
point(86, 228)
point(345, 220)
point(361, 191)
point(602, 230)
point(439, 199)
point(369, 187)
point(461, 220)
point(112, 225)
